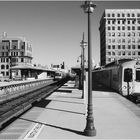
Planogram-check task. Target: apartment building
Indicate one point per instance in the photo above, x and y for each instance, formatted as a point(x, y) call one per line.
point(119, 35)
point(14, 51)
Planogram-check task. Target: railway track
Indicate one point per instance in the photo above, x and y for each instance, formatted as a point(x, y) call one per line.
point(16, 105)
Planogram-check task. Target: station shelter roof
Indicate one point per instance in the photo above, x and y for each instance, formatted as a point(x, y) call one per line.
point(29, 67)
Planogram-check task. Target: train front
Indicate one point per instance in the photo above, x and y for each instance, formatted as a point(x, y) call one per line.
point(136, 84)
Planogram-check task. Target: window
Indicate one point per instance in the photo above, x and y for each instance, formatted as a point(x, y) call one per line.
point(138, 21)
point(113, 34)
point(7, 66)
point(113, 53)
point(133, 53)
point(119, 40)
point(133, 46)
point(22, 53)
point(108, 28)
point(14, 47)
point(123, 22)
point(128, 15)
point(133, 14)
point(22, 59)
point(123, 46)
point(123, 53)
point(113, 21)
point(133, 27)
point(138, 34)
point(108, 53)
point(119, 46)
point(119, 53)
point(123, 28)
point(119, 28)
point(138, 46)
point(133, 40)
point(3, 73)
point(128, 21)
point(113, 15)
point(128, 28)
point(123, 40)
point(109, 40)
point(138, 40)
point(119, 34)
point(138, 27)
point(2, 66)
point(138, 14)
point(118, 21)
point(123, 33)
point(113, 27)
point(113, 40)
point(109, 34)
point(118, 15)
point(133, 21)
point(138, 75)
point(2, 59)
point(133, 33)
point(109, 47)
point(128, 34)
point(108, 15)
point(123, 15)
point(7, 73)
point(129, 46)
point(7, 59)
point(138, 53)
point(127, 75)
point(129, 53)
point(129, 40)
point(113, 47)
point(108, 21)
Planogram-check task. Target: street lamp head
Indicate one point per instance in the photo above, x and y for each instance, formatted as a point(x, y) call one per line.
point(88, 6)
point(83, 44)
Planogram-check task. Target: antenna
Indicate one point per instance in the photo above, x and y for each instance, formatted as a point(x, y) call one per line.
point(4, 34)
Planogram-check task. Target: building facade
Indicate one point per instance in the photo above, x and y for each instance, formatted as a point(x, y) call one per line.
point(14, 51)
point(119, 35)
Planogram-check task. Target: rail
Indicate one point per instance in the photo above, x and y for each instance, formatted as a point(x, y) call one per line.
point(19, 97)
point(15, 89)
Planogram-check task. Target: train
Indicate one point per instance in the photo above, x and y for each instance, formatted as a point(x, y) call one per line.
point(61, 75)
point(122, 75)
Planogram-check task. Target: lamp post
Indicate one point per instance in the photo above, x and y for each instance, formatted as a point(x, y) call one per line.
point(10, 63)
point(89, 7)
point(83, 44)
point(80, 76)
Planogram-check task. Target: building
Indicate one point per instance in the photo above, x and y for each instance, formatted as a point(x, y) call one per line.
point(13, 52)
point(119, 35)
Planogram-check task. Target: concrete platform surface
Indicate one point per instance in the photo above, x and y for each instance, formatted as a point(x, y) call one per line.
point(63, 116)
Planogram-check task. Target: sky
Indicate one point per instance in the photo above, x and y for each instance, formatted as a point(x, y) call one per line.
point(55, 28)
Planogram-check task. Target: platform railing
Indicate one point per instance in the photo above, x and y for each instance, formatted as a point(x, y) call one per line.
point(15, 89)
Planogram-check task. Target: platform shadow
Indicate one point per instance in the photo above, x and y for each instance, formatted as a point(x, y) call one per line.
point(66, 101)
point(43, 103)
point(66, 111)
point(64, 90)
point(69, 87)
point(69, 97)
point(58, 127)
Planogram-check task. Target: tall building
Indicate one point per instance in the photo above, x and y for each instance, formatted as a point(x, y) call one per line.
point(14, 51)
point(119, 35)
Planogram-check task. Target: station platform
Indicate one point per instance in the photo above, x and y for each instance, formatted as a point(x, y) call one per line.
point(63, 116)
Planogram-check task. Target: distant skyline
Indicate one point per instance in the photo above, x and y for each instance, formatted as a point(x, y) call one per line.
point(55, 28)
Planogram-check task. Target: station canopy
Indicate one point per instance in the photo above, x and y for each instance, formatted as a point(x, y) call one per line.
point(34, 68)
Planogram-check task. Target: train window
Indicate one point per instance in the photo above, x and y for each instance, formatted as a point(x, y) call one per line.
point(138, 75)
point(128, 75)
